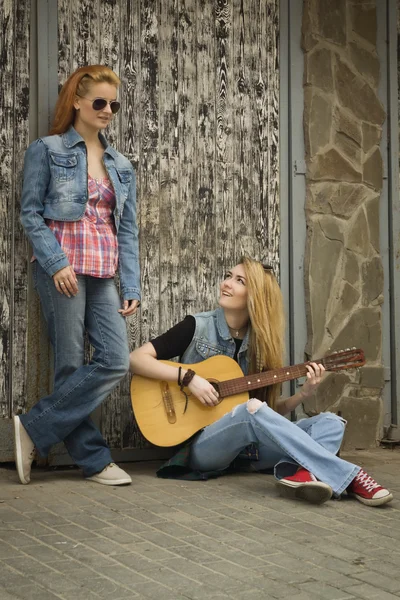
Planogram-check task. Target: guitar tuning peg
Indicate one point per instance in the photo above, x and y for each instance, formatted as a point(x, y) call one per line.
point(354, 348)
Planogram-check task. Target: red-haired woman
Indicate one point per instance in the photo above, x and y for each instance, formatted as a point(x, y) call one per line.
point(78, 209)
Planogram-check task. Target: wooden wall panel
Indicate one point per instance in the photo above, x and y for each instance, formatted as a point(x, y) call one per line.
point(199, 121)
point(206, 196)
point(189, 122)
point(19, 274)
point(14, 108)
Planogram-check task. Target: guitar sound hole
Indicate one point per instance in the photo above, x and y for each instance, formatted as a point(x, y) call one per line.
point(215, 385)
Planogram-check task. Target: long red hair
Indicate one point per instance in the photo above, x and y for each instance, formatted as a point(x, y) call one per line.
point(78, 84)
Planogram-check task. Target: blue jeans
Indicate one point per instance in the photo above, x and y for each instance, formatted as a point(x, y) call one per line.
point(311, 443)
point(78, 387)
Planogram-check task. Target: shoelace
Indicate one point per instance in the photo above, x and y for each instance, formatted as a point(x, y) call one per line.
point(108, 466)
point(366, 481)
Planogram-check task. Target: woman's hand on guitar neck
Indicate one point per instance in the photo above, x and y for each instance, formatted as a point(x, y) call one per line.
point(314, 376)
point(203, 391)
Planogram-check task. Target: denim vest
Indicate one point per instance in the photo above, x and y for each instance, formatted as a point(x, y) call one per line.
point(56, 187)
point(212, 337)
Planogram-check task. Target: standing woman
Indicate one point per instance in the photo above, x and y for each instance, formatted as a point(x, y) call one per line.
point(248, 326)
point(78, 209)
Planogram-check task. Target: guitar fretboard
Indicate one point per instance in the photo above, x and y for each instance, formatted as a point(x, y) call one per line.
point(259, 380)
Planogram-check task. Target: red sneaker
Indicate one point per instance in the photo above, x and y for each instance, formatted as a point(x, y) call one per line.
point(367, 491)
point(305, 485)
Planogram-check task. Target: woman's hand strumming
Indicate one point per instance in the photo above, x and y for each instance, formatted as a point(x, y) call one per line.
point(66, 282)
point(314, 376)
point(204, 391)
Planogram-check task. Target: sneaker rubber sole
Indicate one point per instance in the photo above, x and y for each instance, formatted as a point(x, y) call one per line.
point(18, 451)
point(315, 492)
point(373, 501)
point(122, 481)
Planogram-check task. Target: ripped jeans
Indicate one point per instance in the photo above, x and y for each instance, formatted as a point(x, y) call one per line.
point(311, 443)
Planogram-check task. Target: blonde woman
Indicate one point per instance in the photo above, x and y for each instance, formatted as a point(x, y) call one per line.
point(248, 326)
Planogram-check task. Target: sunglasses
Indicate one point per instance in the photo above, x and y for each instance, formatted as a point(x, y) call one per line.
point(101, 103)
point(267, 268)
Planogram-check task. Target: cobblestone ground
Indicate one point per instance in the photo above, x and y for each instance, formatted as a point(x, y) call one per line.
point(234, 537)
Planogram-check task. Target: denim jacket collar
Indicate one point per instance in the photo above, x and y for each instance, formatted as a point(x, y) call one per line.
point(224, 332)
point(71, 138)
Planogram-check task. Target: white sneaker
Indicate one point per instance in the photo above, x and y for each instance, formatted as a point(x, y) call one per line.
point(24, 451)
point(111, 475)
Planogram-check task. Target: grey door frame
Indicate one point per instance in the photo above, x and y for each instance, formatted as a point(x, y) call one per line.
point(292, 183)
point(390, 214)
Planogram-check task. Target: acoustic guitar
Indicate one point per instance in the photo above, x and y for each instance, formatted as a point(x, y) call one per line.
point(165, 416)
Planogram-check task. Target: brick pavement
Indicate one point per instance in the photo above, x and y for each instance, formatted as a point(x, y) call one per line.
point(69, 539)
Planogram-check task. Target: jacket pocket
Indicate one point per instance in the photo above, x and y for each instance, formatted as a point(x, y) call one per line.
point(63, 166)
point(125, 176)
point(206, 350)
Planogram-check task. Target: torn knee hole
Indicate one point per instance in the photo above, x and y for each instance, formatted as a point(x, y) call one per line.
point(253, 405)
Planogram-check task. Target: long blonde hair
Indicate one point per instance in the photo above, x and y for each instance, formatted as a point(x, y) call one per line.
point(265, 306)
point(78, 84)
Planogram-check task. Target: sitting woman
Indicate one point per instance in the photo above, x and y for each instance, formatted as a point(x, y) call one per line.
point(248, 326)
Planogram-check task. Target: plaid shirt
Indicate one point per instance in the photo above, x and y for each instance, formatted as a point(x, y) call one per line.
point(90, 244)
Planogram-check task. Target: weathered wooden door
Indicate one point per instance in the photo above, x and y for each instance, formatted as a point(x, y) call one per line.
point(200, 122)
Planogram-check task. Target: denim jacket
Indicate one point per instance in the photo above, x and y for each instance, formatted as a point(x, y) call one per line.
point(212, 337)
point(56, 187)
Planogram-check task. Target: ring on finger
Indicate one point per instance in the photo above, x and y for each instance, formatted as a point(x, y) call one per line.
point(62, 283)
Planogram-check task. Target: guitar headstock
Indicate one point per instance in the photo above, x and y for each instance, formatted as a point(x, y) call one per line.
point(351, 358)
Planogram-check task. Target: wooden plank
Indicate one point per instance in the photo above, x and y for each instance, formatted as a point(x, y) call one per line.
point(8, 67)
point(170, 206)
point(129, 70)
point(209, 81)
point(85, 35)
point(148, 108)
point(245, 203)
point(258, 115)
point(65, 40)
point(191, 19)
point(224, 189)
point(140, 67)
point(19, 258)
point(272, 134)
point(130, 144)
point(109, 23)
point(109, 50)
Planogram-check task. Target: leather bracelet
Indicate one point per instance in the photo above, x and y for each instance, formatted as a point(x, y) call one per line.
point(187, 378)
point(179, 376)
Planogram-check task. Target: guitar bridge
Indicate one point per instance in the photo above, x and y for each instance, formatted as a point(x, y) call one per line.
point(168, 402)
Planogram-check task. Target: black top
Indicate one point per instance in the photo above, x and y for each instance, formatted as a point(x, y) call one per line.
point(175, 341)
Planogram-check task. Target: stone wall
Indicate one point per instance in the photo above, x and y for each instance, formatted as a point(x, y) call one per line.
point(343, 120)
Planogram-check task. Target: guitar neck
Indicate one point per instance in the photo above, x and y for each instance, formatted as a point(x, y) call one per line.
point(259, 380)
